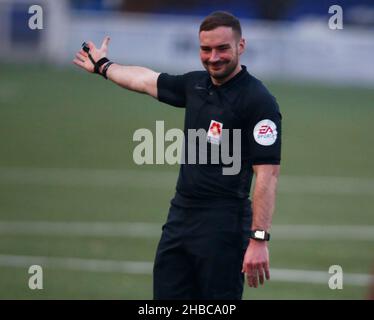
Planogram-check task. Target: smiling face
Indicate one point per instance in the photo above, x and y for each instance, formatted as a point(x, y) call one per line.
point(220, 49)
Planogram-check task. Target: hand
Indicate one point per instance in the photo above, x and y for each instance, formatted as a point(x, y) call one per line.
point(256, 262)
point(82, 60)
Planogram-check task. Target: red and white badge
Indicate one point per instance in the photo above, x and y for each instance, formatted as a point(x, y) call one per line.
point(215, 132)
point(265, 132)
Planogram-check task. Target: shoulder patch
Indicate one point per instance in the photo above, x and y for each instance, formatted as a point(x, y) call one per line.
point(265, 132)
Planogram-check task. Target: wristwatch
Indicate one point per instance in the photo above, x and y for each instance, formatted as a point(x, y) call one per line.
point(261, 235)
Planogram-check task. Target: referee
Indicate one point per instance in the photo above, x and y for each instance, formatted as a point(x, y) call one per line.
point(213, 234)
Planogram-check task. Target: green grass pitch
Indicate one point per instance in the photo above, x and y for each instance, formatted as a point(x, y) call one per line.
point(65, 118)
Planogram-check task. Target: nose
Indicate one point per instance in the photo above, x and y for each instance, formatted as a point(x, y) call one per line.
point(214, 57)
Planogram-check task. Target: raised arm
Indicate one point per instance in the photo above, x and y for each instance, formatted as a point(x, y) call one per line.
point(256, 259)
point(139, 79)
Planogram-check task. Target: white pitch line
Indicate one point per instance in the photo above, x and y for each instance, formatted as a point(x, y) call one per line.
point(319, 277)
point(153, 230)
point(84, 229)
point(324, 232)
point(150, 178)
point(87, 177)
point(94, 265)
point(145, 268)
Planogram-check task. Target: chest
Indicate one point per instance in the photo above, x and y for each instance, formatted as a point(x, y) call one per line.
point(212, 106)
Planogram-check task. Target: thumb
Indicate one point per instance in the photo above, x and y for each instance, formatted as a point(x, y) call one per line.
point(105, 42)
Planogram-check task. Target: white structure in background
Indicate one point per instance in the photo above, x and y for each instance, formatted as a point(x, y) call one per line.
point(306, 50)
point(21, 44)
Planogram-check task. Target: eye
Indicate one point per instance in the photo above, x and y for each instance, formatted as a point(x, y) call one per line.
point(223, 48)
point(205, 49)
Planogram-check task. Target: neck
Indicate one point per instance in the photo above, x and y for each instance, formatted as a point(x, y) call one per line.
point(219, 82)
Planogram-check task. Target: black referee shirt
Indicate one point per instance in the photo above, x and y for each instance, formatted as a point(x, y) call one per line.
point(243, 103)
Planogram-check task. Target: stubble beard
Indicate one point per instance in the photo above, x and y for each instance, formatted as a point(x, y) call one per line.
point(228, 67)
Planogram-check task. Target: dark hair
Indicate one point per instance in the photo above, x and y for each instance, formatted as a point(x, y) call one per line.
point(221, 19)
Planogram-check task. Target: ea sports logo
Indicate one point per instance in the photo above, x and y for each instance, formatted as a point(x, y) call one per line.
point(265, 129)
point(265, 132)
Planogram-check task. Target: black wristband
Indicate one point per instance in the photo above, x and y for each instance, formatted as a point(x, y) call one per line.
point(105, 69)
point(99, 63)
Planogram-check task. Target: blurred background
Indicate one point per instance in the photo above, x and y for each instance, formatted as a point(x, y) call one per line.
point(73, 201)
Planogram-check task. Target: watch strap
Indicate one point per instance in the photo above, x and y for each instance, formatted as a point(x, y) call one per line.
point(261, 235)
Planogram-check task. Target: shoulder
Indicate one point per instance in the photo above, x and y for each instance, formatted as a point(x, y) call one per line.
point(184, 79)
point(195, 77)
point(259, 98)
point(192, 75)
point(257, 90)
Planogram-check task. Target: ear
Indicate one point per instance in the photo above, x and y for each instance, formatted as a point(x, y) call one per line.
point(241, 46)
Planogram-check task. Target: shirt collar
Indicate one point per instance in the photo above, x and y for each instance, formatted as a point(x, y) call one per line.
point(232, 82)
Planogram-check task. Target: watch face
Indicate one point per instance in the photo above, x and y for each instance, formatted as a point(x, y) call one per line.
point(260, 234)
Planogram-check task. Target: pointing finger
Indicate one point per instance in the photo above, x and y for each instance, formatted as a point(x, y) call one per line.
point(105, 42)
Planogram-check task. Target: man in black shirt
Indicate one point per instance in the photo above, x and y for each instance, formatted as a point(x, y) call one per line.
point(213, 234)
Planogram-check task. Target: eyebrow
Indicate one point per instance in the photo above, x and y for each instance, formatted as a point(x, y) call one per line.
point(221, 46)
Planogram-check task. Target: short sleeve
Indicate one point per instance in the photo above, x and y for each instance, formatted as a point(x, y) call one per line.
point(172, 89)
point(265, 131)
